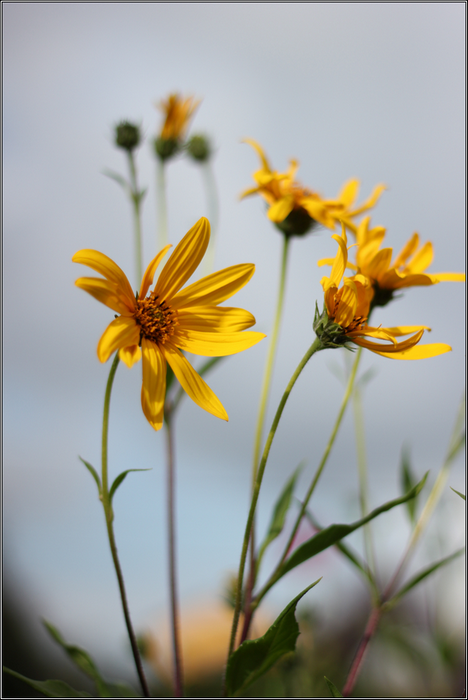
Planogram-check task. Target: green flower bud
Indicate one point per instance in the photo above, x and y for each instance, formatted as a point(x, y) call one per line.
point(199, 148)
point(297, 223)
point(127, 136)
point(166, 148)
point(330, 334)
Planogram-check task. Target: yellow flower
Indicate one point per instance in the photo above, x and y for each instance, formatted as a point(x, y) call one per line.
point(294, 208)
point(345, 316)
point(177, 112)
point(407, 269)
point(160, 323)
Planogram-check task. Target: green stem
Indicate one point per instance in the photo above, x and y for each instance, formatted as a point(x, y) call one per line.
point(162, 237)
point(136, 201)
point(106, 502)
point(316, 345)
point(276, 574)
point(213, 213)
point(176, 646)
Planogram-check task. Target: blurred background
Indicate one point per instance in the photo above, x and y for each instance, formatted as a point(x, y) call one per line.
point(367, 90)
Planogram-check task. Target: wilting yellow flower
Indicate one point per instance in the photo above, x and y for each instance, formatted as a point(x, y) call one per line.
point(177, 113)
point(345, 315)
point(407, 269)
point(295, 208)
point(170, 319)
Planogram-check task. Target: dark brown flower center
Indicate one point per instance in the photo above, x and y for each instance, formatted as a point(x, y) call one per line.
point(156, 319)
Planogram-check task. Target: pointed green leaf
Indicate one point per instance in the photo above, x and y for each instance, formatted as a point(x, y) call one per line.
point(460, 494)
point(407, 483)
point(422, 575)
point(51, 689)
point(119, 179)
point(118, 480)
point(361, 383)
point(335, 693)
point(93, 473)
point(255, 656)
point(332, 534)
point(280, 511)
point(82, 659)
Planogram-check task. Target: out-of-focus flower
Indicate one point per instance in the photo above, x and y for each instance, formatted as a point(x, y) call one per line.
point(177, 113)
point(199, 148)
point(204, 632)
point(158, 323)
point(406, 270)
point(295, 209)
point(346, 309)
point(127, 136)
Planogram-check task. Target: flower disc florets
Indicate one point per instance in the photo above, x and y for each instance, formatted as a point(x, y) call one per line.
point(157, 320)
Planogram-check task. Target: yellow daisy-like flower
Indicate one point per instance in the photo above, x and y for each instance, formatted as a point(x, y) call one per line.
point(158, 324)
point(294, 208)
point(177, 113)
point(407, 269)
point(345, 316)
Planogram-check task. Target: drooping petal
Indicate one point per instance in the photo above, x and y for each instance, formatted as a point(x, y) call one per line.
point(396, 280)
point(406, 330)
point(215, 288)
point(147, 280)
point(215, 344)
point(107, 268)
point(280, 209)
point(389, 349)
point(130, 355)
point(153, 390)
point(418, 352)
point(123, 331)
point(107, 293)
point(184, 260)
point(340, 261)
point(215, 319)
point(192, 383)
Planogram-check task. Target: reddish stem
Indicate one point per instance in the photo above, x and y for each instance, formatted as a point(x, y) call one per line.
point(369, 632)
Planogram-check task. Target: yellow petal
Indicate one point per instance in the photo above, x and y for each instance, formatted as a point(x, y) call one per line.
point(184, 260)
point(406, 330)
point(107, 268)
point(147, 280)
point(369, 203)
point(380, 349)
point(249, 191)
point(215, 288)
point(447, 277)
point(279, 210)
point(215, 344)
point(379, 264)
point(192, 383)
point(396, 280)
point(407, 250)
point(347, 305)
point(107, 293)
point(153, 390)
point(123, 331)
point(418, 352)
point(422, 259)
point(256, 146)
point(215, 318)
point(130, 355)
point(340, 261)
point(349, 192)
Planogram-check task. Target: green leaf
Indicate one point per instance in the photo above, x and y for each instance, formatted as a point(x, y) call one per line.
point(82, 659)
point(422, 575)
point(335, 693)
point(93, 473)
point(51, 689)
point(255, 656)
point(280, 511)
point(118, 480)
point(332, 534)
point(119, 179)
point(460, 494)
point(407, 483)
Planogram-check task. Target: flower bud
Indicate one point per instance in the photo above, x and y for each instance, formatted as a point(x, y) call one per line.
point(166, 148)
point(127, 136)
point(330, 334)
point(199, 148)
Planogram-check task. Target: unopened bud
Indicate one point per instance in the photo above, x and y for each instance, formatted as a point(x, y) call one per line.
point(166, 148)
point(127, 136)
point(199, 148)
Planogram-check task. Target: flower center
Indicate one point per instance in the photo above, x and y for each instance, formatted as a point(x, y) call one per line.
point(157, 320)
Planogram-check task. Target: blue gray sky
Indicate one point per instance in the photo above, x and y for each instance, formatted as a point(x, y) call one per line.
point(367, 90)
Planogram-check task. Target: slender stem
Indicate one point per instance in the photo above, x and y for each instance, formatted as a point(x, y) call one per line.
point(213, 213)
point(276, 574)
point(136, 200)
point(362, 473)
point(316, 345)
point(178, 673)
point(369, 632)
point(106, 502)
point(162, 237)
